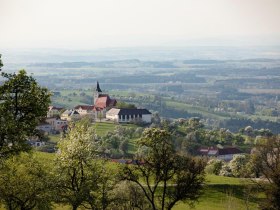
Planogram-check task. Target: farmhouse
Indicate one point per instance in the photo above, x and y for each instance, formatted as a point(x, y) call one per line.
point(225, 154)
point(129, 115)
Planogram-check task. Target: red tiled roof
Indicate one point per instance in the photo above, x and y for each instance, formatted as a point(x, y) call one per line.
point(104, 101)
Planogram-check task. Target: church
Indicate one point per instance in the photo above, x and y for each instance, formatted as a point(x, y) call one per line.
point(101, 104)
point(101, 100)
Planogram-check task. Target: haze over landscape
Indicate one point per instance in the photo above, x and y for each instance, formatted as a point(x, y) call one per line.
point(95, 24)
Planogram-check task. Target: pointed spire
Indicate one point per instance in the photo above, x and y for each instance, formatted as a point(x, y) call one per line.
point(98, 87)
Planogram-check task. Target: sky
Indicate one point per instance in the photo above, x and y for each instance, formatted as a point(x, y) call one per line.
point(90, 24)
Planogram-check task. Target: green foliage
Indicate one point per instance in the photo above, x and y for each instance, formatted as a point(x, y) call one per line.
point(80, 179)
point(167, 177)
point(123, 105)
point(128, 195)
point(238, 165)
point(214, 166)
point(75, 172)
point(23, 104)
point(24, 183)
point(116, 143)
point(267, 162)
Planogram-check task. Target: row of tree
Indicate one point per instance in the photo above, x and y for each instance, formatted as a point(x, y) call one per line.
point(78, 177)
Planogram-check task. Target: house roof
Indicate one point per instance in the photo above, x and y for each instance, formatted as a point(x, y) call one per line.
point(219, 151)
point(71, 112)
point(230, 150)
point(85, 107)
point(104, 101)
point(55, 108)
point(115, 111)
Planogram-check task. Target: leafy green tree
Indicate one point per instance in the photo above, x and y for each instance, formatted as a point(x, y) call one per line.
point(238, 165)
point(23, 104)
point(123, 105)
point(101, 197)
point(267, 162)
point(75, 174)
point(214, 166)
point(24, 183)
point(164, 176)
point(128, 195)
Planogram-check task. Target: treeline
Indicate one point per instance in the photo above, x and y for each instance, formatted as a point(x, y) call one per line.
point(235, 124)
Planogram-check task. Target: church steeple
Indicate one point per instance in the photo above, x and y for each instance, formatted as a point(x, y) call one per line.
point(98, 88)
point(96, 93)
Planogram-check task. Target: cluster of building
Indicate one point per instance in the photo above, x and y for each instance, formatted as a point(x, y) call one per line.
point(103, 108)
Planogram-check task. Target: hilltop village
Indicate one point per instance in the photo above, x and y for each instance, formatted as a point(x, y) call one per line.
point(103, 109)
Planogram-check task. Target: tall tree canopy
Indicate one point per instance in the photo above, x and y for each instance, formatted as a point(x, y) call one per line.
point(24, 183)
point(23, 104)
point(164, 176)
point(74, 179)
point(267, 163)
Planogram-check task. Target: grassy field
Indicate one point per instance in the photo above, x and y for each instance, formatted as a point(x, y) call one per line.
point(223, 193)
point(192, 109)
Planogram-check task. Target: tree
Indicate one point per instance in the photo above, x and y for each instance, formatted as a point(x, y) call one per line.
point(239, 165)
point(267, 162)
point(24, 183)
point(101, 197)
point(214, 166)
point(23, 104)
point(123, 105)
point(1, 64)
point(166, 177)
point(128, 195)
point(75, 174)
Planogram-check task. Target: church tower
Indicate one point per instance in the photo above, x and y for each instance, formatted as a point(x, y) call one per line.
point(96, 93)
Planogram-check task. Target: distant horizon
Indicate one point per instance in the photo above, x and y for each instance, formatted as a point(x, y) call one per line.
point(92, 24)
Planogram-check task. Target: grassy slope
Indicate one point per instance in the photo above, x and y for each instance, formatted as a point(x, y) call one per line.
point(220, 192)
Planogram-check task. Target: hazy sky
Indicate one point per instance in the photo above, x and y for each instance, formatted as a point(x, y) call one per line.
point(126, 23)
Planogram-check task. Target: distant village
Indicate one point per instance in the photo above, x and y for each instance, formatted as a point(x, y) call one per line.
point(103, 109)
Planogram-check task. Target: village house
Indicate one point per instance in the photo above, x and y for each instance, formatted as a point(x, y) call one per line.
point(57, 124)
point(129, 115)
point(54, 111)
point(45, 127)
point(85, 111)
point(225, 154)
point(70, 115)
